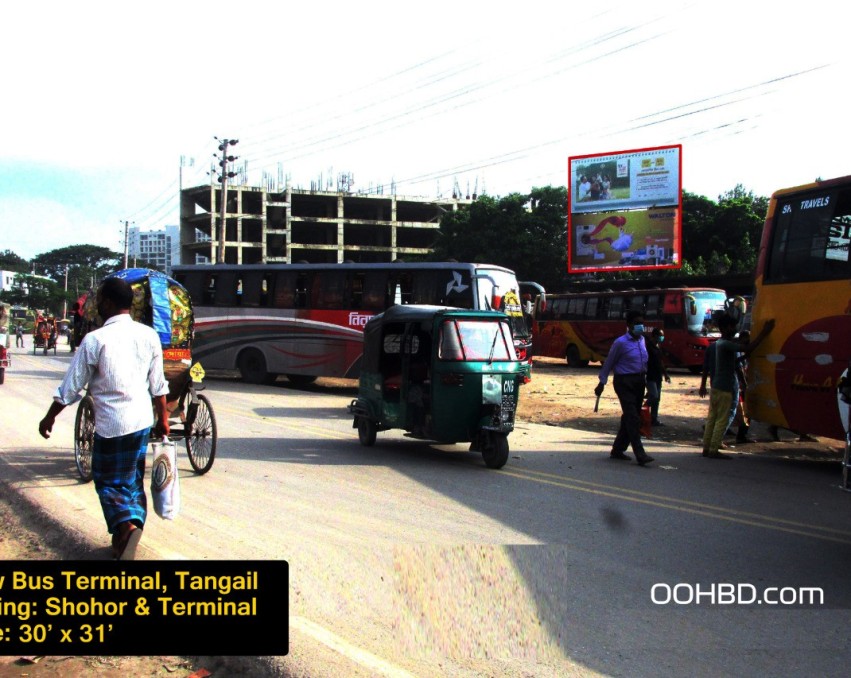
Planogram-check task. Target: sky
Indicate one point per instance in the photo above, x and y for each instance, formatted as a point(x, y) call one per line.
point(109, 108)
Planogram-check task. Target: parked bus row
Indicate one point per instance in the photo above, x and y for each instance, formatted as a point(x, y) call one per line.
point(580, 327)
point(307, 320)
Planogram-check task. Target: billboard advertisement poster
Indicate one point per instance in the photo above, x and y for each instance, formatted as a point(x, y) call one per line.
point(637, 179)
point(624, 240)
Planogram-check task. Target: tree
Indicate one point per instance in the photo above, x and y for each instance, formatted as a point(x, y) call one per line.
point(524, 232)
point(9, 261)
point(86, 265)
point(34, 292)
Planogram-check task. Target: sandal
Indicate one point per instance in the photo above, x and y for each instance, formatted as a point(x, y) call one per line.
point(127, 543)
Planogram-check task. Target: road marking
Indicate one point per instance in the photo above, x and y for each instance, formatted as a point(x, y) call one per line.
point(685, 506)
point(343, 647)
point(637, 496)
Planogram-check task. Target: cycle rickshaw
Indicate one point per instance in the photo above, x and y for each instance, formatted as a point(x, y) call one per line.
point(164, 304)
point(45, 334)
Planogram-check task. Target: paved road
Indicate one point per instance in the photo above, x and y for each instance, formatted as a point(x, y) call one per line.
point(408, 559)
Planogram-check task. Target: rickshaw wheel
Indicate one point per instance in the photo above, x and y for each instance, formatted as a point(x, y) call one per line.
point(366, 431)
point(495, 450)
point(84, 438)
point(201, 436)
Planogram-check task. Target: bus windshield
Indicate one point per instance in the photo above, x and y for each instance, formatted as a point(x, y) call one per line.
point(700, 311)
point(499, 290)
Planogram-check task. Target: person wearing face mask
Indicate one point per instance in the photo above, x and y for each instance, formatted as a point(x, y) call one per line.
point(627, 361)
point(656, 371)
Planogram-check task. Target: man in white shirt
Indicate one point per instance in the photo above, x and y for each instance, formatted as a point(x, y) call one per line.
point(122, 363)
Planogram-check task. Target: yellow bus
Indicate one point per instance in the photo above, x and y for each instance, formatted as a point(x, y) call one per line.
point(803, 281)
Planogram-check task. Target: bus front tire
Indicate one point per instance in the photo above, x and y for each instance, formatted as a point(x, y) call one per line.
point(252, 367)
point(573, 358)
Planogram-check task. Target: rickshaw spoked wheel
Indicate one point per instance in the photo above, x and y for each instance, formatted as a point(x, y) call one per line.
point(84, 438)
point(366, 431)
point(494, 448)
point(201, 434)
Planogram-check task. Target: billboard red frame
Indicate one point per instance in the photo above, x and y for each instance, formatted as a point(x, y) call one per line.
point(625, 210)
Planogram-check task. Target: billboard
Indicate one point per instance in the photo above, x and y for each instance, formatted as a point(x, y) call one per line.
point(624, 240)
point(624, 210)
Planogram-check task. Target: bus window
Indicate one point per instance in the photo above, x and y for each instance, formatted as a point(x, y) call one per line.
point(591, 307)
point(354, 289)
point(559, 309)
point(254, 289)
point(651, 307)
point(374, 284)
point(401, 288)
point(266, 292)
point(227, 284)
point(285, 286)
point(301, 291)
point(210, 290)
point(811, 238)
point(615, 308)
point(634, 303)
point(576, 308)
point(327, 290)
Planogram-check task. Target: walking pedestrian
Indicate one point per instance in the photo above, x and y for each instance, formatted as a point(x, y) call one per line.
point(627, 360)
point(656, 371)
point(122, 363)
point(727, 349)
point(19, 336)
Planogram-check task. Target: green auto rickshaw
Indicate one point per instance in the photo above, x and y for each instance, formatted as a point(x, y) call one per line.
point(442, 374)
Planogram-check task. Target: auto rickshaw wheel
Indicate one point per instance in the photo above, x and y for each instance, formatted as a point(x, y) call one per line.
point(2, 374)
point(366, 431)
point(495, 449)
point(84, 438)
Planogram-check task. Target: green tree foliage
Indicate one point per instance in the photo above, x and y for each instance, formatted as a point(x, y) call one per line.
point(9, 261)
point(34, 292)
point(86, 264)
point(528, 233)
point(524, 232)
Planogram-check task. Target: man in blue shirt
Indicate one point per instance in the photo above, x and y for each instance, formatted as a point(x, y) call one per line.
point(627, 360)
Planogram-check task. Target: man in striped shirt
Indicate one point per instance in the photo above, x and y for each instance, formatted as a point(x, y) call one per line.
point(122, 363)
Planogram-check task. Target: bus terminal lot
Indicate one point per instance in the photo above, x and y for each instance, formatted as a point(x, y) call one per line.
point(406, 557)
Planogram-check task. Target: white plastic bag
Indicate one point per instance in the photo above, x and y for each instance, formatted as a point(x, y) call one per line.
point(165, 482)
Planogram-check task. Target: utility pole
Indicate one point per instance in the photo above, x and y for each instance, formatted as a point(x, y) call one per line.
point(126, 237)
point(223, 163)
point(65, 305)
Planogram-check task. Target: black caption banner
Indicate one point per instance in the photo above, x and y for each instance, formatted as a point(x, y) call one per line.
point(220, 607)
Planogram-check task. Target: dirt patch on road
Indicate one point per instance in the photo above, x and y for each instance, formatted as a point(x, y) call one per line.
point(559, 395)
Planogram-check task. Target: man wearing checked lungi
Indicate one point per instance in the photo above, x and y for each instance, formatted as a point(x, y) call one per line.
point(122, 363)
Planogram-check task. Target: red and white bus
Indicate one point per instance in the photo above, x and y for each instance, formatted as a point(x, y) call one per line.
point(580, 327)
point(306, 320)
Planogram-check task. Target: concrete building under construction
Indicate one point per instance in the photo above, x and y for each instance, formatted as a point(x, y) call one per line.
point(298, 225)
